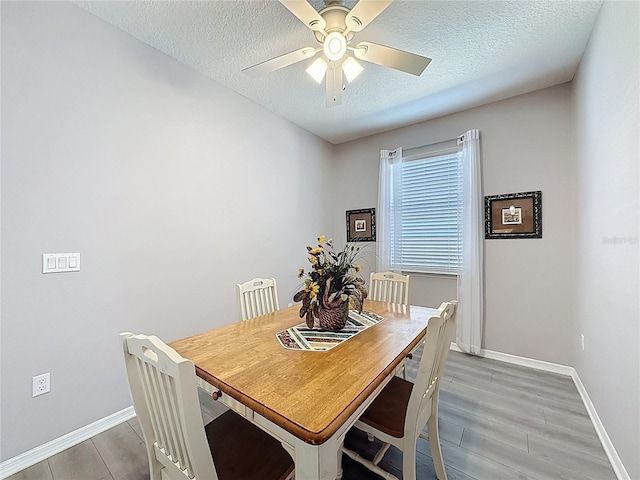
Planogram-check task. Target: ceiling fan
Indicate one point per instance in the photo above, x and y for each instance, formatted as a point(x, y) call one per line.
point(334, 27)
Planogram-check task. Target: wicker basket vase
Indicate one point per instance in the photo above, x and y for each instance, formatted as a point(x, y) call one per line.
point(333, 318)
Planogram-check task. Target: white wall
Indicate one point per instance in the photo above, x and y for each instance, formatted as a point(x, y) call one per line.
point(526, 146)
point(171, 187)
point(607, 119)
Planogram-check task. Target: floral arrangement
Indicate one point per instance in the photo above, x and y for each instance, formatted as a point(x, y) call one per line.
point(331, 284)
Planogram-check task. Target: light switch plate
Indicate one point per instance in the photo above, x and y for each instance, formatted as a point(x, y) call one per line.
point(60, 262)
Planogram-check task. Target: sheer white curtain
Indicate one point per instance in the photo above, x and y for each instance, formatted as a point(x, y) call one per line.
point(470, 316)
point(389, 226)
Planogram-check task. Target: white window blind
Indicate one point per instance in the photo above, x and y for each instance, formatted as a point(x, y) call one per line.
point(430, 196)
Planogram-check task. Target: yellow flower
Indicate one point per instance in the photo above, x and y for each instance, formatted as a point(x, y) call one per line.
point(320, 239)
point(357, 268)
point(300, 272)
point(312, 288)
point(313, 260)
point(316, 251)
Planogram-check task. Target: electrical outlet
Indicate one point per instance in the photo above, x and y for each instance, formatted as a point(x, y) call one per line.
point(582, 342)
point(41, 384)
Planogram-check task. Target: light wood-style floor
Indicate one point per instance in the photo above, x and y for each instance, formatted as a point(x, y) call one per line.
point(497, 421)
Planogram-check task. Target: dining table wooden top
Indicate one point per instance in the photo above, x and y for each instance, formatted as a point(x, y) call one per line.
point(308, 393)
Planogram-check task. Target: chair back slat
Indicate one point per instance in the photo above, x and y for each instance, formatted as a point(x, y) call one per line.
point(440, 333)
point(170, 419)
point(389, 287)
point(164, 391)
point(257, 297)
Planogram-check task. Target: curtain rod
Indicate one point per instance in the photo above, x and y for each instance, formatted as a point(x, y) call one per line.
point(432, 144)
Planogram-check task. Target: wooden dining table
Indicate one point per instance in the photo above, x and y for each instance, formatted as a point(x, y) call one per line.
point(307, 400)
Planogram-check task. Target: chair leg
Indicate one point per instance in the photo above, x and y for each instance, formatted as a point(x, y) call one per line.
point(370, 465)
point(409, 460)
point(155, 469)
point(340, 457)
point(381, 452)
point(434, 445)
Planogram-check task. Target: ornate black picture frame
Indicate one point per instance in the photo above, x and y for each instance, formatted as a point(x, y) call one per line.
point(513, 215)
point(361, 225)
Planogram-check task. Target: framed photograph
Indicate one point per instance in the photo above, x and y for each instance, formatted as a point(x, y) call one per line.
point(513, 215)
point(361, 225)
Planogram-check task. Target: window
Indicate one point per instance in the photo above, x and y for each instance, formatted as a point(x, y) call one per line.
point(426, 229)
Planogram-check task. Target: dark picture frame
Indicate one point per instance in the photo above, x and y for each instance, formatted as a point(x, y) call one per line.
point(513, 215)
point(361, 225)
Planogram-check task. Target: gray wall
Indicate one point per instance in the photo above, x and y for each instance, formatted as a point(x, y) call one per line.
point(606, 285)
point(526, 146)
point(171, 187)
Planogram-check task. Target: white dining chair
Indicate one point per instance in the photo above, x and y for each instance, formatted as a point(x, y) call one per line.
point(257, 297)
point(179, 447)
point(400, 412)
point(389, 287)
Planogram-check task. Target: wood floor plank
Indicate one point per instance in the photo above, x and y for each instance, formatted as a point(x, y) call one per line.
point(478, 466)
point(135, 425)
point(568, 438)
point(39, 471)
point(123, 452)
point(80, 462)
point(480, 405)
point(569, 393)
point(449, 431)
point(469, 376)
point(529, 397)
point(512, 435)
point(579, 424)
point(532, 376)
point(537, 384)
point(491, 401)
point(570, 409)
point(594, 467)
point(537, 467)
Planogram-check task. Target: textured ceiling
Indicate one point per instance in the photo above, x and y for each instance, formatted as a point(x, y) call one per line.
point(482, 51)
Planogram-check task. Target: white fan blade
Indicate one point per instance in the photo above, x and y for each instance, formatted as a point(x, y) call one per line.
point(280, 62)
point(391, 57)
point(364, 12)
point(306, 14)
point(334, 84)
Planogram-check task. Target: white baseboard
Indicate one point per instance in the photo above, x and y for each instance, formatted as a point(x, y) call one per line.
point(611, 452)
point(523, 361)
point(608, 447)
point(33, 456)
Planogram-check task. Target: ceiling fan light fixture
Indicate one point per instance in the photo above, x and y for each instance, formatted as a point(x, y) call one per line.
point(351, 68)
point(317, 70)
point(335, 46)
